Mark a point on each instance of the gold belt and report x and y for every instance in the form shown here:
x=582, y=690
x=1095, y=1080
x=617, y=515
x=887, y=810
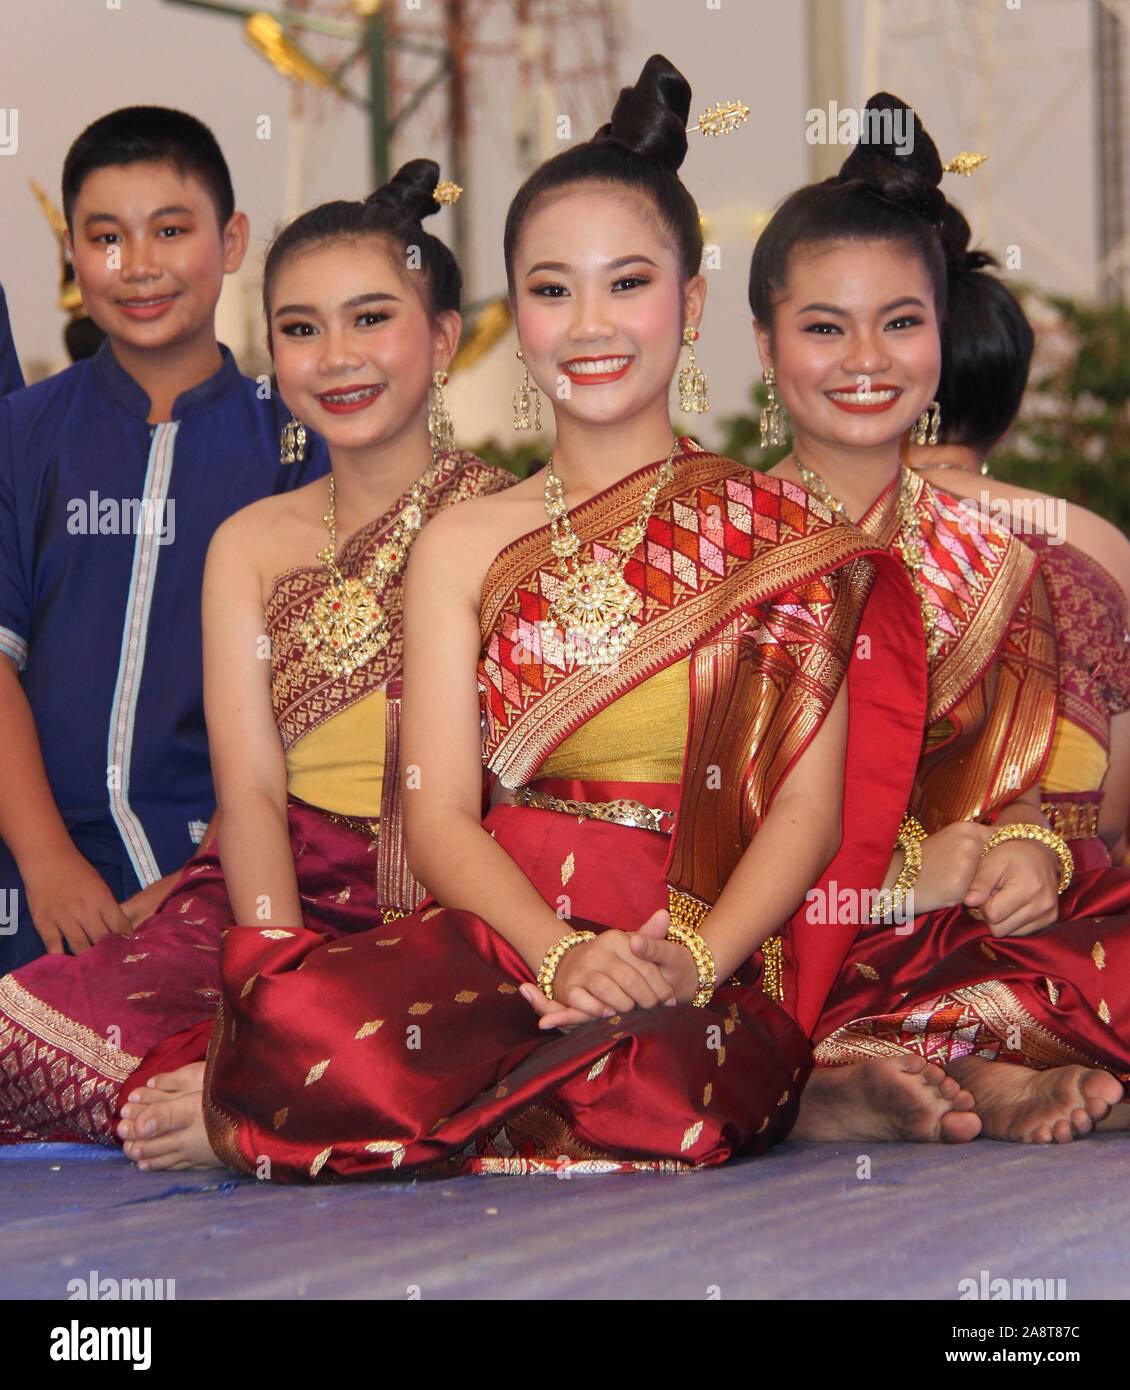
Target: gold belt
x=1074, y=820
x=622, y=812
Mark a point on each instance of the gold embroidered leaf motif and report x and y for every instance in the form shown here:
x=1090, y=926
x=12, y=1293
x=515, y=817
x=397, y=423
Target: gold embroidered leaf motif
x=249, y=986
x=784, y=1098
x=387, y=941
x=567, y=869
x=337, y=950
x=506, y=988
x=1104, y=1011
x=598, y=1067
x=721, y=1055
x=501, y=1092
x=201, y=947
x=690, y=1136
x=320, y=1161
x=368, y=1029
x=728, y=1026
x=279, y=1117
x=129, y=960
x=1053, y=989
x=276, y=934
x=987, y=950
x=867, y=971
x=343, y=896
x=466, y=996
x=143, y=994
x=186, y=904
x=763, y=1126
x=317, y=1071
x=707, y=1092
x=431, y=912
x=419, y=1008
x=387, y=1146
x=1098, y=955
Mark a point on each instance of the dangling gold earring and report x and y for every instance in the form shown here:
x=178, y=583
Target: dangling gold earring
x=293, y=442
x=772, y=415
x=692, y=383
x=441, y=427
x=525, y=396
x=928, y=425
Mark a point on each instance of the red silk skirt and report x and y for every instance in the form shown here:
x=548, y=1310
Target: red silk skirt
x=406, y=1048
x=948, y=988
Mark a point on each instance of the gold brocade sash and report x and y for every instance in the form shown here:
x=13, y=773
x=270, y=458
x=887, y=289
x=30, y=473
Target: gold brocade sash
x=736, y=571
x=993, y=684
x=723, y=541
x=303, y=693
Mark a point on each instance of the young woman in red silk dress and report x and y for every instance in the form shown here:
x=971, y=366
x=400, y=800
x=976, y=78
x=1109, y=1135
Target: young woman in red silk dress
x=1085, y=560
x=848, y=286
x=650, y=645
x=305, y=753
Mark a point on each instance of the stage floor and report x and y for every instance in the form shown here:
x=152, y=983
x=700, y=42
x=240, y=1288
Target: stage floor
x=798, y=1223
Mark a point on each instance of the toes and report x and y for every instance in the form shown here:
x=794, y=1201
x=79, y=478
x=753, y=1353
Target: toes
x=1042, y=1134
x=1101, y=1086
x=964, y=1100
x=950, y=1088
x=932, y=1075
x=1081, y=1122
x=1062, y=1132
x=960, y=1127
x=167, y=1146
x=912, y=1064
x=166, y=1118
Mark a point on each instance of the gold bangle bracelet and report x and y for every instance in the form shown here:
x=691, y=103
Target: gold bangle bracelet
x=909, y=839
x=554, y=956
x=1042, y=836
x=703, y=961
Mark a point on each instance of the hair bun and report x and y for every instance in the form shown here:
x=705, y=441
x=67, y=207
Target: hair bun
x=410, y=193
x=909, y=177
x=956, y=235
x=650, y=118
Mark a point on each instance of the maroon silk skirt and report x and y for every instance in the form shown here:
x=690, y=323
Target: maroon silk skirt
x=73, y=1029
x=406, y=1049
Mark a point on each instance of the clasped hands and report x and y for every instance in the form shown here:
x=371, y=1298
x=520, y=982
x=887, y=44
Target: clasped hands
x=1013, y=888
x=618, y=972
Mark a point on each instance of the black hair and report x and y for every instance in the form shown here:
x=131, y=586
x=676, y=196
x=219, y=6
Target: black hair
x=641, y=148
x=986, y=345
x=143, y=134
x=879, y=194
x=393, y=212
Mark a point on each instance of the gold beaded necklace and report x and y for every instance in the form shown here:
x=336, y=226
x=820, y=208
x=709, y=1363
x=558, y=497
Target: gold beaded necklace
x=347, y=625
x=594, y=602
x=911, y=546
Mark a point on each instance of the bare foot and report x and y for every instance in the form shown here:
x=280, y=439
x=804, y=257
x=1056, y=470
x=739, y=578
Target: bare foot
x=1038, y=1107
x=163, y=1122
x=184, y=1081
x=889, y=1098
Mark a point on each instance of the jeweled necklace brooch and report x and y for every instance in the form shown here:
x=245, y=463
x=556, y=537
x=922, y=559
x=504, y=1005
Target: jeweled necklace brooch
x=347, y=625
x=595, y=605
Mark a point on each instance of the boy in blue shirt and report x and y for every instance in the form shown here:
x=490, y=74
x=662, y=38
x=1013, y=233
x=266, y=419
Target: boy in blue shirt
x=113, y=477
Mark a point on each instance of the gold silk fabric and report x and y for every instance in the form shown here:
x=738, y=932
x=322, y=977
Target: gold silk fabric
x=640, y=737
x=339, y=765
